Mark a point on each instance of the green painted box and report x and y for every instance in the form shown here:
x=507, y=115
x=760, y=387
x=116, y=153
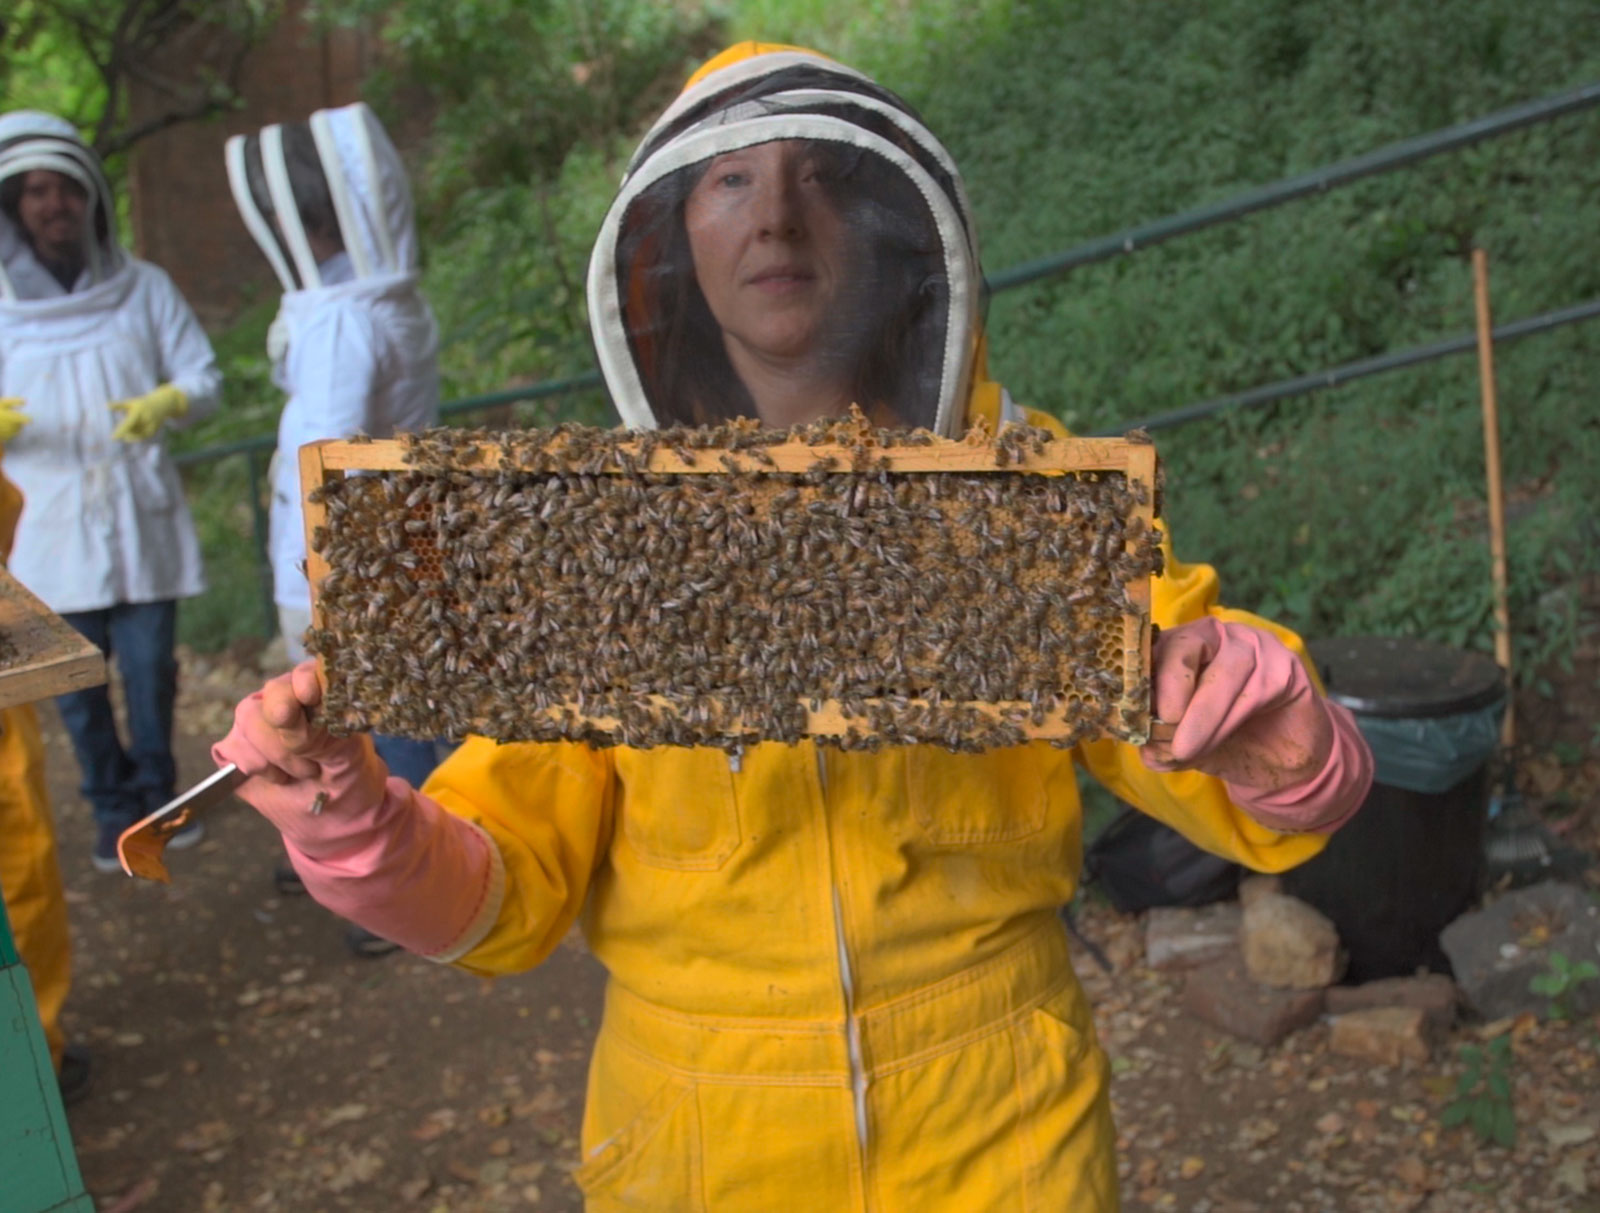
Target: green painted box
x=38, y=1169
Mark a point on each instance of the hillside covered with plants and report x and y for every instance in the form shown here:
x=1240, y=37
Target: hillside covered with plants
x=1350, y=510
x=1356, y=509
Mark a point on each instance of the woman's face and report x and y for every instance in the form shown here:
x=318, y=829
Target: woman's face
x=768, y=247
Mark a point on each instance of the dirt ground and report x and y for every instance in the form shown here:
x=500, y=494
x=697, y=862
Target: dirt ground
x=245, y=1060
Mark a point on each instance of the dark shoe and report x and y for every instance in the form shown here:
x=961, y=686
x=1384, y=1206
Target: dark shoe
x=367, y=945
x=287, y=881
x=104, y=856
x=76, y=1076
x=191, y=835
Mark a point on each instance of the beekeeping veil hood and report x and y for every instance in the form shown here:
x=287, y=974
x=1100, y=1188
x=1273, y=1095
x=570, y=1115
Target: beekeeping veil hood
x=338, y=172
x=32, y=140
x=785, y=202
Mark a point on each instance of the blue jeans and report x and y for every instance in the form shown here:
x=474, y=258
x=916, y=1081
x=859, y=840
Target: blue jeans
x=123, y=784
x=412, y=761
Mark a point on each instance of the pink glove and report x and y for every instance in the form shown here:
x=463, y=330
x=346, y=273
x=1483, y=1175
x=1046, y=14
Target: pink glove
x=1246, y=712
x=376, y=851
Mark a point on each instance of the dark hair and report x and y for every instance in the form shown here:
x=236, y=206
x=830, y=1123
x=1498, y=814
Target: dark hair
x=11, y=198
x=896, y=328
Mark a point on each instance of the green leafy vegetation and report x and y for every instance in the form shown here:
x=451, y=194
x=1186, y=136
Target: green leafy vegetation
x=1353, y=510
x=1561, y=981
x=1483, y=1094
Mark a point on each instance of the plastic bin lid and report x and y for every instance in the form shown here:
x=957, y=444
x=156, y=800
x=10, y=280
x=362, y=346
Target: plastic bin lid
x=1399, y=676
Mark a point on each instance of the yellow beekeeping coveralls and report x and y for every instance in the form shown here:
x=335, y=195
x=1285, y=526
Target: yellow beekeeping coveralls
x=838, y=979
x=30, y=877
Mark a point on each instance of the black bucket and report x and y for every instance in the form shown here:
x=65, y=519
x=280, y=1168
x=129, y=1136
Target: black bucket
x=1411, y=861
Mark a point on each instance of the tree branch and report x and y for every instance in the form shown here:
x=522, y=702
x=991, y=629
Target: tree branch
x=148, y=43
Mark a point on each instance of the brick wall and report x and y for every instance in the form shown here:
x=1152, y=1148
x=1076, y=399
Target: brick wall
x=183, y=214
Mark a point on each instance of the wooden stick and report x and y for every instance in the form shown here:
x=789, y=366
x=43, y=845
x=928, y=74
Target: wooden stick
x=313, y=473
x=1497, y=497
x=1062, y=455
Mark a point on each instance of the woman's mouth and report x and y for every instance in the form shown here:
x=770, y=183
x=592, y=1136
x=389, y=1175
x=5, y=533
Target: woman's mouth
x=782, y=278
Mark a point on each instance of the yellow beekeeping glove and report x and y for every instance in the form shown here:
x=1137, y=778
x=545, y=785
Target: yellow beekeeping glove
x=12, y=418
x=146, y=413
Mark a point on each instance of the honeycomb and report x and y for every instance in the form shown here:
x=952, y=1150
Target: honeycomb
x=727, y=585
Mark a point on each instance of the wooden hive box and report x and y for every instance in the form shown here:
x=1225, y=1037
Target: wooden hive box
x=722, y=586
x=41, y=655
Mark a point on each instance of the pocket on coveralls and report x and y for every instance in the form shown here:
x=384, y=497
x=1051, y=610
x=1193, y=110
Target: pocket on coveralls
x=1063, y=1092
x=653, y=1161
x=962, y=799
x=682, y=814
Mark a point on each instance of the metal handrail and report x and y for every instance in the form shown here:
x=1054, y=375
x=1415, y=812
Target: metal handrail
x=533, y=391
x=1385, y=159
x=1348, y=372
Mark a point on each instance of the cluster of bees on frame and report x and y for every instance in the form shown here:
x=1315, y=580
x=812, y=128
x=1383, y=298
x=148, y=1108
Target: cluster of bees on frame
x=564, y=591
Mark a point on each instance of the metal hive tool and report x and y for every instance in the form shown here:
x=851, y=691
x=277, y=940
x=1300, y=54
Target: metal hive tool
x=727, y=585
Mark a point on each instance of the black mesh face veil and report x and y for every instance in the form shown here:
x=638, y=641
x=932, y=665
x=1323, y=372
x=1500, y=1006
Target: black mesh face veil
x=798, y=233
x=311, y=209
x=881, y=317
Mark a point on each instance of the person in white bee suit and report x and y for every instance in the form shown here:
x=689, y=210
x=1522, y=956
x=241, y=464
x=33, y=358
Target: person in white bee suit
x=99, y=356
x=354, y=345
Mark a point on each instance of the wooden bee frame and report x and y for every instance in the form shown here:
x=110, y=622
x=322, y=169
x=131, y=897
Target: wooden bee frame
x=41, y=655
x=1135, y=461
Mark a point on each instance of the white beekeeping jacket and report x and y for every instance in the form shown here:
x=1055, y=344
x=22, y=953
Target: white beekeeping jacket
x=355, y=345
x=104, y=522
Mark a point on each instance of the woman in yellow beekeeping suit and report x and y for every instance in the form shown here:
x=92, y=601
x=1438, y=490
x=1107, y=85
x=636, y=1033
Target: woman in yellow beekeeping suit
x=838, y=978
x=30, y=877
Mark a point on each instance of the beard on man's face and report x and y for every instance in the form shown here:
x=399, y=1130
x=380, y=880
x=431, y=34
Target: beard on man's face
x=57, y=236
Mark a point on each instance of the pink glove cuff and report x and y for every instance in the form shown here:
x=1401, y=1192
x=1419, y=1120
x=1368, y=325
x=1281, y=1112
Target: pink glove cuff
x=409, y=871
x=1327, y=800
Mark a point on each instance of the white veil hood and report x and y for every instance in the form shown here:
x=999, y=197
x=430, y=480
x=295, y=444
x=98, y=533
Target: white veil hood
x=898, y=195
x=370, y=192
x=29, y=140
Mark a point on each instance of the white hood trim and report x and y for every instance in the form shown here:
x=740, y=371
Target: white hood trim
x=376, y=178
x=288, y=211
x=714, y=138
x=734, y=74
x=239, y=183
x=367, y=183
x=339, y=188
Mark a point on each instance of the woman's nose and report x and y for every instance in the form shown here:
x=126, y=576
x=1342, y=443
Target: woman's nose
x=779, y=213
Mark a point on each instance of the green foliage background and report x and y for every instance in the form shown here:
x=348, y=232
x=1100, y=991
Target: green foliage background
x=1350, y=510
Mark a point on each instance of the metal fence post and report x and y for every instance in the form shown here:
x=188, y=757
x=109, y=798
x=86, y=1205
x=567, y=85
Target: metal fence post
x=258, y=527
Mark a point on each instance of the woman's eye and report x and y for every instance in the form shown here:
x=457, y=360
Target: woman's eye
x=733, y=180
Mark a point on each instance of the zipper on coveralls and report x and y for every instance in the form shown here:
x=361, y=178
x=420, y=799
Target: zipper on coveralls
x=858, y=1071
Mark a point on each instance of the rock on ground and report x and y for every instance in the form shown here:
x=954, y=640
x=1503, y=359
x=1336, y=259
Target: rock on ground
x=1497, y=952
x=1289, y=945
